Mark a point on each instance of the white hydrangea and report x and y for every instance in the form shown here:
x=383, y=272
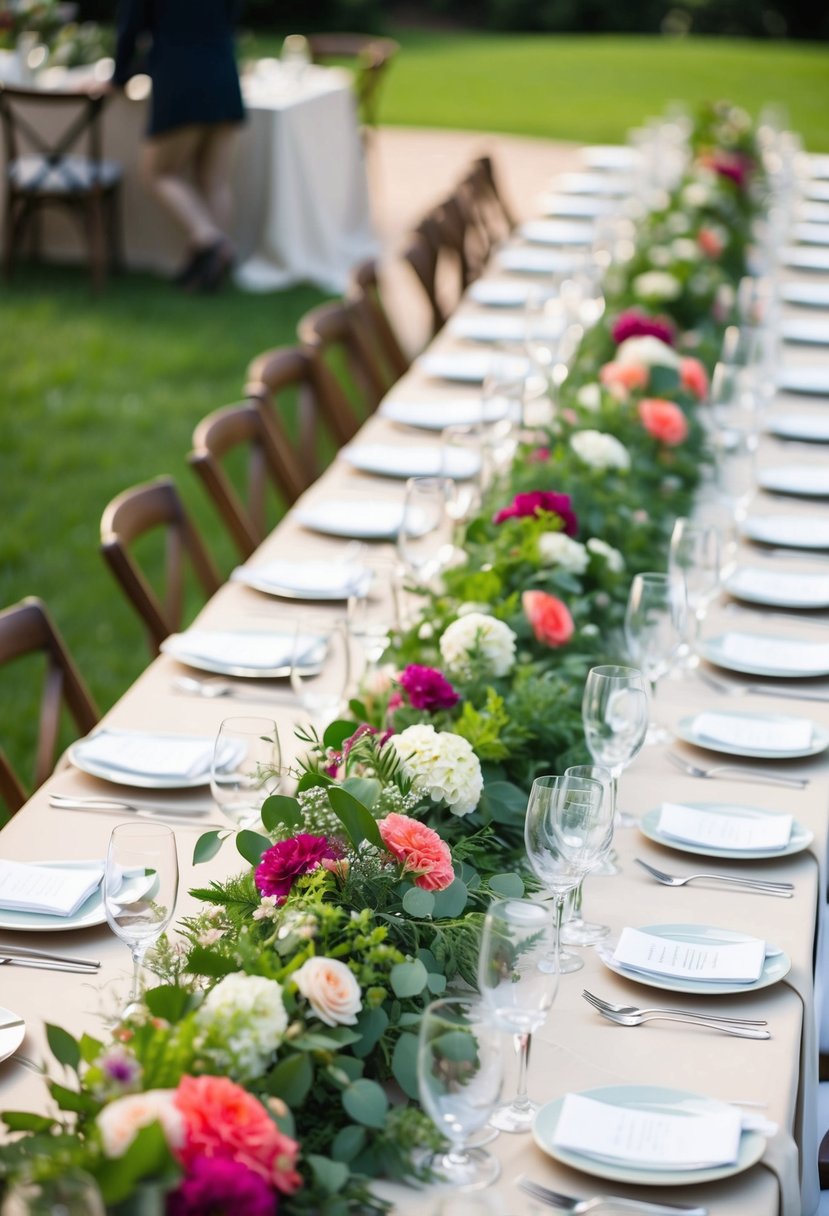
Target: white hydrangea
x=697, y=195
x=442, y=765
x=659, y=256
x=613, y=557
x=242, y=1021
x=685, y=250
x=678, y=223
x=589, y=396
x=657, y=285
x=599, y=450
x=559, y=549
x=648, y=350
x=489, y=639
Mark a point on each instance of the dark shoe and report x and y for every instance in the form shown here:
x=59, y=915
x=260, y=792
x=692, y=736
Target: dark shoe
x=193, y=267
x=216, y=268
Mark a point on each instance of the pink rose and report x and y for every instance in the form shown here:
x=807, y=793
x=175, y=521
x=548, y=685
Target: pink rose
x=693, y=377
x=330, y=989
x=420, y=850
x=549, y=618
x=710, y=243
x=623, y=378
x=121, y=1121
x=664, y=420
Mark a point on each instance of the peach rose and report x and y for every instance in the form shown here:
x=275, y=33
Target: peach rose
x=622, y=378
x=710, y=243
x=121, y=1121
x=420, y=850
x=331, y=990
x=549, y=618
x=221, y=1119
x=664, y=420
x=694, y=377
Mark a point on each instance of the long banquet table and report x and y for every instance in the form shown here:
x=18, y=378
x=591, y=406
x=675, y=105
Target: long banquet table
x=576, y=1050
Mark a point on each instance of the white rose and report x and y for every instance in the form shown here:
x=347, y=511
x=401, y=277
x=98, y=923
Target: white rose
x=648, y=350
x=331, y=990
x=685, y=250
x=589, y=396
x=613, y=557
x=696, y=195
x=678, y=223
x=242, y=1021
x=657, y=285
x=486, y=637
x=121, y=1121
x=558, y=549
x=442, y=765
x=599, y=450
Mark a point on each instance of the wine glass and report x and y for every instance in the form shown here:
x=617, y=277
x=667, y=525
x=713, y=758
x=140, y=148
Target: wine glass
x=564, y=832
x=73, y=1193
x=321, y=669
x=694, y=562
x=464, y=463
x=576, y=931
x=424, y=541
x=140, y=888
x=733, y=405
x=734, y=469
x=518, y=988
x=502, y=406
x=459, y=1075
x=654, y=629
x=246, y=768
x=614, y=712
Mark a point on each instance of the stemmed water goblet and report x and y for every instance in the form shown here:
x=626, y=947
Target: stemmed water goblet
x=424, y=540
x=321, y=669
x=140, y=889
x=565, y=833
x=654, y=629
x=694, y=563
x=576, y=931
x=518, y=988
x=246, y=768
x=614, y=713
x=459, y=1075
x=464, y=463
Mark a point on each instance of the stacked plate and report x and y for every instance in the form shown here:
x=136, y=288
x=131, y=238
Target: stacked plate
x=725, y=830
x=756, y=735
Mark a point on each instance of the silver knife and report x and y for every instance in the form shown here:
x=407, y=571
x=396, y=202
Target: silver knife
x=30, y=952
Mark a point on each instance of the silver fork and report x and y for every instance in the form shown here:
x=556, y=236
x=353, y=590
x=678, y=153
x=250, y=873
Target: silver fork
x=737, y=772
x=223, y=688
x=631, y=1016
x=784, y=889
x=600, y=1003
x=763, y=690
x=144, y=810
x=567, y=1203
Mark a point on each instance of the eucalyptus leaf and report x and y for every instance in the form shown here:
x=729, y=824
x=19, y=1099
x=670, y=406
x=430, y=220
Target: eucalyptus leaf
x=207, y=846
x=291, y=1079
x=419, y=904
x=366, y=789
x=328, y=1174
x=451, y=901
x=355, y=818
x=252, y=845
x=404, y=1064
x=281, y=811
x=348, y=1142
x=366, y=1103
x=372, y=1025
x=337, y=732
x=510, y=886
x=409, y=979
x=63, y=1046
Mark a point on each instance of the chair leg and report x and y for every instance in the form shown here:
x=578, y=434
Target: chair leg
x=10, y=223
x=96, y=234
x=115, y=230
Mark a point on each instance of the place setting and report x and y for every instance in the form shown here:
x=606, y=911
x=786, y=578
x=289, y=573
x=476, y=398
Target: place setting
x=787, y=531
x=327, y=581
x=725, y=830
x=771, y=587
x=764, y=736
x=766, y=655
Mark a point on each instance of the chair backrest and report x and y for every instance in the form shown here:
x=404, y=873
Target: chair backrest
x=373, y=56
x=297, y=378
x=57, y=154
x=365, y=289
x=132, y=515
x=270, y=462
x=421, y=253
x=337, y=334
x=26, y=628
x=497, y=213
x=438, y=254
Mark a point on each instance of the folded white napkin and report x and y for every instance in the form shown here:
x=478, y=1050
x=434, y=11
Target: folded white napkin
x=298, y=577
x=255, y=651
x=774, y=652
x=716, y=962
x=55, y=892
x=648, y=1139
x=736, y=832
x=146, y=754
x=756, y=581
x=780, y=735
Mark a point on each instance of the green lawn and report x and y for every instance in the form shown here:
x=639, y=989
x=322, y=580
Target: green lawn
x=98, y=395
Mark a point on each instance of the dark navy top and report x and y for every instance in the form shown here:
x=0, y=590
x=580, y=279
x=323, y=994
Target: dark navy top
x=191, y=59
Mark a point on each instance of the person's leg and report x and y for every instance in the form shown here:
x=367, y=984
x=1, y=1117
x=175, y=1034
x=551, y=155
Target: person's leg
x=167, y=159
x=213, y=165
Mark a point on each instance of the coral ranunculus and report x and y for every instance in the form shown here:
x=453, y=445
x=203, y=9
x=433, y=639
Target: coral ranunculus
x=420, y=850
x=664, y=420
x=222, y=1120
x=549, y=618
x=427, y=688
x=693, y=377
x=710, y=243
x=218, y=1187
x=623, y=378
x=633, y=323
x=541, y=500
x=288, y=860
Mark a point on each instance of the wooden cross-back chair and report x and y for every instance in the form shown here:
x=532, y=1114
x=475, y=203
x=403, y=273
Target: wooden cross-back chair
x=495, y=212
x=371, y=55
x=132, y=515
x=271, y=462
x=438, y=255
x=26, y=628
x=65, y=169
x=365, y=290
x=337, y=331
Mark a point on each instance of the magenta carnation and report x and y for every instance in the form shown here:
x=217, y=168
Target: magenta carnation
x=288, y=860
x=215, y=1186
x=541, y=500
x=427, y=688
x=632, y=323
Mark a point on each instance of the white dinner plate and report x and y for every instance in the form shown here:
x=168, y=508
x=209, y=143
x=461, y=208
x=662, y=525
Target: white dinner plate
x=608, y=184
x=780, y=589
x=502, y=327
x=808, y=331
x=556, y=232
x=576, y=206
x=807, y=257
x=788, y=531
x=809, y=295
x=437, y=415
x=501, y=293
x=816, y=190
x=812, y=381
x=810, y=428
x=776, y=964
x=472, y=367
x=800, y=659
x=686, y=729
x=262, y=655
x=77, y=754
x=91, y=912
x=818, y=163
x=298, y=580
x=615, y=158
x=412, y=460
x=359, y=519
x=799, y=840
x=803, y=480
x=10, y=1039
x=529, y=259
x=811, y=234
x=814, y=213
x=645, y=1098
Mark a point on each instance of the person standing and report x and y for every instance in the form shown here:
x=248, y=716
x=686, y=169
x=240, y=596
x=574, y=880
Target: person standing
x=196, y=109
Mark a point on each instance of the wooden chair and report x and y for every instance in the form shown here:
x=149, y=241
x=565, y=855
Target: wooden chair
x=26, y=628
x=371, y=56
x=298, y=379
x=44, y=171
x=270, y=462
x=132, y=515
x=496, y=212
x=336, y=332
x=365, y=290
x=438, y=255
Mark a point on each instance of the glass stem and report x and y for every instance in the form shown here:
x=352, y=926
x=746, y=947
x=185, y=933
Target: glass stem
x=138, y=953
x=559, y=918
x=521, y=1042
x=577, y=898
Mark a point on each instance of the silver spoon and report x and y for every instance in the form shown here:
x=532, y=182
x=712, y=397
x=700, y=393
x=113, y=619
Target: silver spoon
x=223, y=688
